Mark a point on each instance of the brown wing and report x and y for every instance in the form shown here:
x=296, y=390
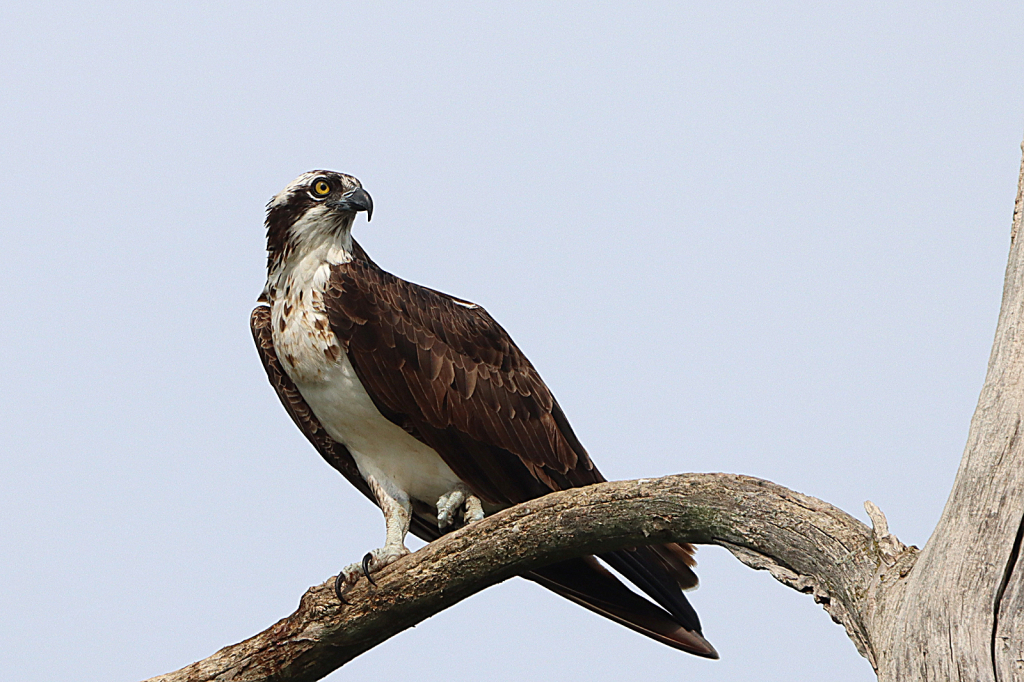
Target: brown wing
x=452, y=377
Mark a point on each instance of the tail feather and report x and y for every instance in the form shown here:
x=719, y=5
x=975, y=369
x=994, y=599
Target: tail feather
x=592, y=586
x=677, y=558
x=641, y=566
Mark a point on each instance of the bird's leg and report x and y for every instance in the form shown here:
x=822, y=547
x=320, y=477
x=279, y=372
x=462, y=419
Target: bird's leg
x=450, y=502
x=397, y=514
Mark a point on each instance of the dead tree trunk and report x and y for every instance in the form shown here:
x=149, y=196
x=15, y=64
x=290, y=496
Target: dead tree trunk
x=951, y=611
x=959, y=613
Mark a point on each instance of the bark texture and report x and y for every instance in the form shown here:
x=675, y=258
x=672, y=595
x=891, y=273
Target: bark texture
x=959, y=615
x=806, y=543
x=951, y=611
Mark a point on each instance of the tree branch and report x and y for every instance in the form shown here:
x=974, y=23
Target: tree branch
x=805, y=543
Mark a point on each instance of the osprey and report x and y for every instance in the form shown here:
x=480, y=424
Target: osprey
x=426, y=405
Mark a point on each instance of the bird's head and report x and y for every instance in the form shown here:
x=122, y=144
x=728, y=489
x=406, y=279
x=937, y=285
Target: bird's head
x=315, y=208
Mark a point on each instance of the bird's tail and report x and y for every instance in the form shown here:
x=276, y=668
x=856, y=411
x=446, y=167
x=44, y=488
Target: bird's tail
x=672, y=621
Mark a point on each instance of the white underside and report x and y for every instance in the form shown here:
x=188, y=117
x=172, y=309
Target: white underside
x=321, y=370
x=395, y=459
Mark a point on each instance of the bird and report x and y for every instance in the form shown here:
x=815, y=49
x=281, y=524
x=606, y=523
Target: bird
x=427, y=406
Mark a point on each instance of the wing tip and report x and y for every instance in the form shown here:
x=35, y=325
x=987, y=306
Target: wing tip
x=593, y=587
x=692, y=643
x=661, y=630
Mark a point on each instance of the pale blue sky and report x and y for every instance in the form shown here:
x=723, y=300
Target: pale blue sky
x=764, y=238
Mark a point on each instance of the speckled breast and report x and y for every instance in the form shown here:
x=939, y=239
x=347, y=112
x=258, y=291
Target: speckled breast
x=305, y=344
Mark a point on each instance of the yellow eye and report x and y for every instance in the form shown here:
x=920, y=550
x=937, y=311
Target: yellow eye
x=321, y=188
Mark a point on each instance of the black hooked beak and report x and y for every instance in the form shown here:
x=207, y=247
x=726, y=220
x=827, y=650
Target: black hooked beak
x=355, y=200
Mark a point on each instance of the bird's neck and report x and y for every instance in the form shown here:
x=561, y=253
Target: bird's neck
x=310, y=260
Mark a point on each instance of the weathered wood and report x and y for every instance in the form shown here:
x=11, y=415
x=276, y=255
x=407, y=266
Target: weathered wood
x=1008, y=642
x=959, y=615
x=805, y=543
x=951, y=611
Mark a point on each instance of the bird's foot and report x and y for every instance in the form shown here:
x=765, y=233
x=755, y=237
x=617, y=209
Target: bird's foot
x=447, y=505
x=474, y=509
x=371, y=563
x=450, y=503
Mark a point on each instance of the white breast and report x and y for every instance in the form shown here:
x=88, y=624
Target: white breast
x=380, y=448
x=311, y=355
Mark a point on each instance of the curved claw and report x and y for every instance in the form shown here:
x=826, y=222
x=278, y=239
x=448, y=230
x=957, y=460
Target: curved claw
x=366, y=568
x=338, y=582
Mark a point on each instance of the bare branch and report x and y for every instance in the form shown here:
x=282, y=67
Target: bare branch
x=807, y=544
